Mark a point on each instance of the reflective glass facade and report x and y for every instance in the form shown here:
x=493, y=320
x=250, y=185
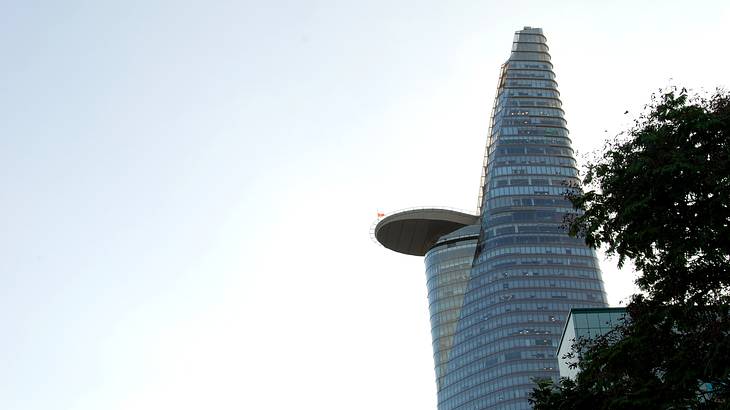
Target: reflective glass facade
x=448, y=270
x=501, y=283
x=585, y=323
x=527, y=273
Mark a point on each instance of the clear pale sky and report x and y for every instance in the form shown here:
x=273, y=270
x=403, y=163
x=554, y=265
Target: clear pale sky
x=186, y=188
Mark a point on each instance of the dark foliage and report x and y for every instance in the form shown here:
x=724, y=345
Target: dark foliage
x=660, y=197
x=666, y=357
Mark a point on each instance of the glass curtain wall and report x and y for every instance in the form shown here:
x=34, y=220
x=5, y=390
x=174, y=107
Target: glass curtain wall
x=448, y=269
x=527, y=273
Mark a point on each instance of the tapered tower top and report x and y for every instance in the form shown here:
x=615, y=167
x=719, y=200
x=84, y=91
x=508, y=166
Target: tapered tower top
x=533, y=30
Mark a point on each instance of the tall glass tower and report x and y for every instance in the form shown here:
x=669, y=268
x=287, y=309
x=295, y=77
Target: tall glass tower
x=502, y=282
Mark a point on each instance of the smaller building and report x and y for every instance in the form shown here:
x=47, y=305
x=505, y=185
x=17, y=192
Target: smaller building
x=585, y=322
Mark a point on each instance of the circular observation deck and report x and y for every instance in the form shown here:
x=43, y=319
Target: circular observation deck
x=414, y=232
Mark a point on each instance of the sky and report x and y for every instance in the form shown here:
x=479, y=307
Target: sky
x=187, y=188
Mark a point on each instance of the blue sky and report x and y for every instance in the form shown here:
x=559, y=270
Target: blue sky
x=187, y=187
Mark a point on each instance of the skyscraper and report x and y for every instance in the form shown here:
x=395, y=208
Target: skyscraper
x=501, y=282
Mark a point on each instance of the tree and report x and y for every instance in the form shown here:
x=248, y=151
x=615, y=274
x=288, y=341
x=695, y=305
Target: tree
x=659, y=195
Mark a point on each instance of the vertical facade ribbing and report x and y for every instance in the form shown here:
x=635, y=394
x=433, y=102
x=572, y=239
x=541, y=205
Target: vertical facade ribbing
x=527, y=273
x=448, y=271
